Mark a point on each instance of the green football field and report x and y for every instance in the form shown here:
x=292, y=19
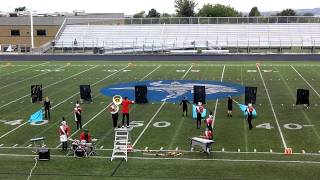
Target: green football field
x=238, y=153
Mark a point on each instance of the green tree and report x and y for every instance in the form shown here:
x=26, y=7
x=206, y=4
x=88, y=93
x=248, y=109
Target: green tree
x=218, y=10
x=254, y=12
x=20, y=9
x=153, y=13
x=139, y=15
x=165, y=15
x=185, y=8
x=287, y=12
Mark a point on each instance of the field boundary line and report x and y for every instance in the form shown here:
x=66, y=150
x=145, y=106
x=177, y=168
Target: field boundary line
x=305, y=80
x=183, y=159
x=24, y=68
x=159, y=109
x=52, y=84
x=216, y=105
x=272, y=108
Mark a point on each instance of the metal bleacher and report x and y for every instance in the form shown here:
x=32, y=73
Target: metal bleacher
x=153, y=37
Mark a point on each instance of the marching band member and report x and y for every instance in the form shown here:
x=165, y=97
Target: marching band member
x=210, y=121
x=114, y=109
x=249, y=111
x=86, y=135
x=77, y=115
x=125, y=109
x=230, y=106
x=64, y=132
x=207, y=134
x=184, y=102
x=47, y=107
x=199, y=110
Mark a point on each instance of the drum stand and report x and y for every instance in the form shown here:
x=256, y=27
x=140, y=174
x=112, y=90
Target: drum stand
x=35, y=145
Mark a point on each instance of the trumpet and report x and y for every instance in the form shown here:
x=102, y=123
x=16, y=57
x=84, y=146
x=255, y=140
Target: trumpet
x=117, y=100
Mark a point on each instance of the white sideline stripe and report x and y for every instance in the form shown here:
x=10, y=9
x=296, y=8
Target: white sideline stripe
x=52, y=108
x=25, y=68
x=305, y=81
x=35, y=165
x=216, y=105
x=150, y=73
x=48, y=86
x=88, y=122
x=274, y=114
x=17, y=82
x=185, y=159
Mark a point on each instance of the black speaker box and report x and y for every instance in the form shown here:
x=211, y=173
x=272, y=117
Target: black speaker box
x=303, y=96
x=36, y=93
x=85, y=92
x=44, y=154
x=141, y=94
x=250, y=95
x=199, y=94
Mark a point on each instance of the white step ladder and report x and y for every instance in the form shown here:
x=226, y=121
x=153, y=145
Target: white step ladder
x=121, y=142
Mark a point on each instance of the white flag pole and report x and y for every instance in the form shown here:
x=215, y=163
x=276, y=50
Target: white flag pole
x=31, y=25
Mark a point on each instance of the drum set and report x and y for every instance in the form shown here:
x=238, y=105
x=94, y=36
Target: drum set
x=83, y=148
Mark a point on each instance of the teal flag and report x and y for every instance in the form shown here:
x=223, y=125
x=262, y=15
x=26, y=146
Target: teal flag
x=243, y=109
x=36, y=117
x=194, y=112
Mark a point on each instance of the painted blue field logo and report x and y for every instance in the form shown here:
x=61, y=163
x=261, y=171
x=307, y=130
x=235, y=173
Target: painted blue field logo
x=175, y=90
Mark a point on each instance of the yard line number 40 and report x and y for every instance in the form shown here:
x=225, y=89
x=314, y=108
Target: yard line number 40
x=290, y=126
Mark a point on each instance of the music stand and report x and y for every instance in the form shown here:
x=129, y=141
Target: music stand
x=35, y=141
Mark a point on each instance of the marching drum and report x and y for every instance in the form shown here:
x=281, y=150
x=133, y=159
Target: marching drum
x=79, y=152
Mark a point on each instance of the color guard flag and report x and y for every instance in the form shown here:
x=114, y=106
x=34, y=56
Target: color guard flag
x=243, y=108
x=36, y=117
x=194, y=112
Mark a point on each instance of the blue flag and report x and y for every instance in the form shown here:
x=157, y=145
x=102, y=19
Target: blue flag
x=36, y=117
x=194, y=112
x=243, y=108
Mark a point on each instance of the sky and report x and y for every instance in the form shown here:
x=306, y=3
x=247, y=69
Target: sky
x=130, y=7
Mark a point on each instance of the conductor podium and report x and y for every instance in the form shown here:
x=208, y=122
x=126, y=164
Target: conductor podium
x=205, y=144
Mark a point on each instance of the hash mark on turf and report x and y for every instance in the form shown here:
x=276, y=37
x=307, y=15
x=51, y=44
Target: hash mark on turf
x=101, y=147
x=1, y=145
x=15, y=145
x=29, y=145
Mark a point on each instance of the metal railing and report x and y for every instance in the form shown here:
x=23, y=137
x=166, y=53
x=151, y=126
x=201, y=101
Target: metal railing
x=196, y=20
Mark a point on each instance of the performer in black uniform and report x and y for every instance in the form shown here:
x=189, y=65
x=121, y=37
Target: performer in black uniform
x=184, y=102
x=47, y=107
x=230, y=106
x=249, y=111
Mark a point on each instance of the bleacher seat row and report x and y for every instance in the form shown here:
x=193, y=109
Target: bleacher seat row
x=179, y=36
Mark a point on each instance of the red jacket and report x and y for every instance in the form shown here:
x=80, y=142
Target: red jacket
x=66, y=130
x=125, y=106
x=83, y=137
x=209, y=121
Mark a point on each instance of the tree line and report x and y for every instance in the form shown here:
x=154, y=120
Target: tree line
x=186, y=8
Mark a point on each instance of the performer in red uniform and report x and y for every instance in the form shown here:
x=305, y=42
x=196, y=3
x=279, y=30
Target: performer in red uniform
x=207, y=134
x=64, y=132
x=199, y=110
x=85, y=135
x=125, y=109
x=210, y=121
x=77, y=115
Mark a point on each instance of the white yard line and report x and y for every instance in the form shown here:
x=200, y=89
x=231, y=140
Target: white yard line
x=145, y=128
x=17, y=82
x=274, y=114
x=305, y=81
x=150, y=73
x=48, y=86
x=216, y=105
x=24, y=69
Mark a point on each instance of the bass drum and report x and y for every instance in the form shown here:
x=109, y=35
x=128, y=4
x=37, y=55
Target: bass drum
x=79, y=152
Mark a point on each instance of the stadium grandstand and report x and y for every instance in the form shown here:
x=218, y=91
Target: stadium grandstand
x=193, y=35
